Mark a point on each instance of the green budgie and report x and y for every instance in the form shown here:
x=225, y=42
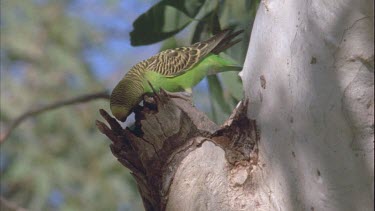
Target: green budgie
x=173, y=70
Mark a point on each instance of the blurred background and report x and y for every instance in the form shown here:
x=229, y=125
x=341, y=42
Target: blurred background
x=53, y=50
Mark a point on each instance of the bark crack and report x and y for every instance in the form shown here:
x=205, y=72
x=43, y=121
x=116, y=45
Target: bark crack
x=169, y=129
x=334, y=55
x=161, y=127
x=153, y=146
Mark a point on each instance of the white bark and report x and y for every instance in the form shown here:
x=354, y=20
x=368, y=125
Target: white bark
x=314, y=104
x=309, y=77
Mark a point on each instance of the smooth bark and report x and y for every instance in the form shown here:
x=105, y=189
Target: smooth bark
x=309, y=76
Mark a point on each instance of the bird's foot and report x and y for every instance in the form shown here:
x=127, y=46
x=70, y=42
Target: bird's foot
x=182, y=95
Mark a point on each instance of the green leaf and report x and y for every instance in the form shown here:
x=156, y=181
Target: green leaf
x=169, y=44
x=163, y=20
x=217, y=93
x=201, y=27
x=189, y=7
x=216, y=28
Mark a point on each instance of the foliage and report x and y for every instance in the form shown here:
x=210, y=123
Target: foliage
x=59, y=160
x=167, y=18
x=163, y=20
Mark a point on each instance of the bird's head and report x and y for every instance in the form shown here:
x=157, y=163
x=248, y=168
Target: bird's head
x=125, y=96
x=120, y=112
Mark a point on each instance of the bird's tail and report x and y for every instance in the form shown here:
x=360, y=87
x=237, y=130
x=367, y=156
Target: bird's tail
x=224, y=69
x=222, y=63
x=227, y=41
x=234, y=67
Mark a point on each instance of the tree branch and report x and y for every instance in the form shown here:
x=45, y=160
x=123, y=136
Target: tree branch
x=58, y=104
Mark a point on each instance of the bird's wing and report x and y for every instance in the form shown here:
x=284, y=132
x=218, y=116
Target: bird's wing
x=174, y=62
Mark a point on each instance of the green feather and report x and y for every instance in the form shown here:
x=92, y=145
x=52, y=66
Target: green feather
x=210, y=65
x=173, y=70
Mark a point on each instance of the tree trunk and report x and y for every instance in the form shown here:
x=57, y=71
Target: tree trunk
x=308, y=80
x=309, y=76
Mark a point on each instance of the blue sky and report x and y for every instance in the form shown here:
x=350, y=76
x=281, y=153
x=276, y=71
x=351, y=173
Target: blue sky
x=112, y=59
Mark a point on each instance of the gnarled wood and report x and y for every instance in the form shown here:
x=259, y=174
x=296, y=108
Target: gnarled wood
x=166, y=131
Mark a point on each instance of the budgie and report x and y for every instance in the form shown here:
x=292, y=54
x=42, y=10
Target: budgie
x=173, y=70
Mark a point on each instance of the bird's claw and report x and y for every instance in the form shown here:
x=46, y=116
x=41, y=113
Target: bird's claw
x=182, y=95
